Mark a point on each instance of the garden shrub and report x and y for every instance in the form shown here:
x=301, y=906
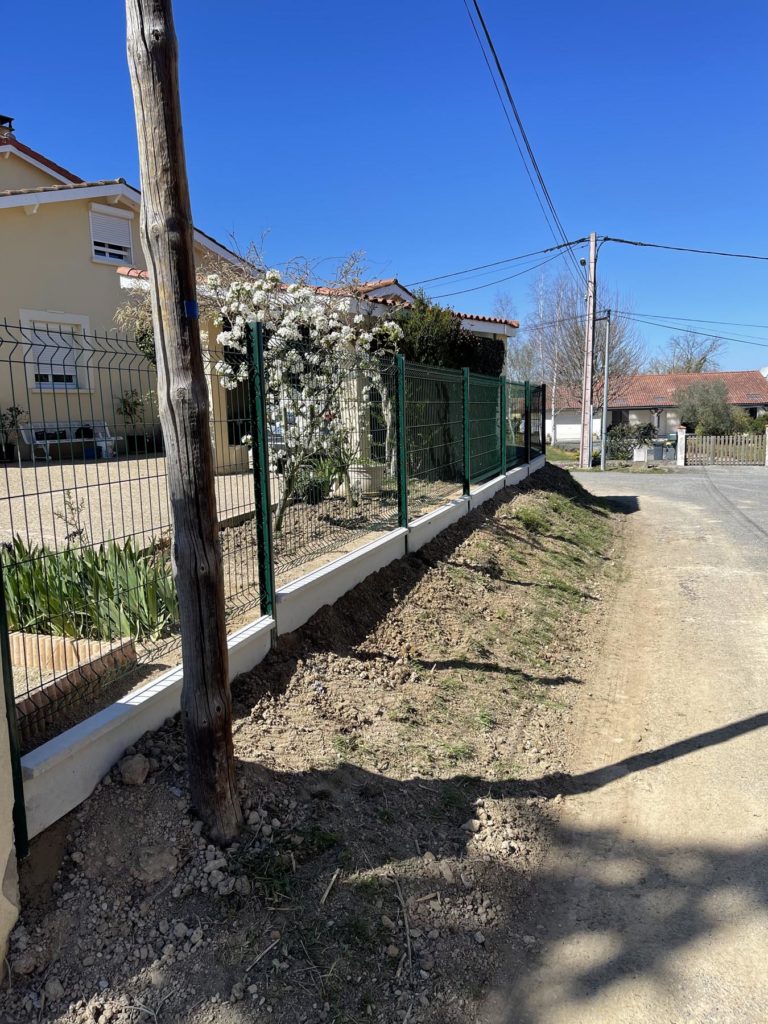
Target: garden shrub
x=98, y=593
x=625, y=437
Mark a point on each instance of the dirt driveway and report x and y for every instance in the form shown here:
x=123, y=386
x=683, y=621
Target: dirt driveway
x=653, y=898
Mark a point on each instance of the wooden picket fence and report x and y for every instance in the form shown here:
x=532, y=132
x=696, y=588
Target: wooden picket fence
x=727, y=450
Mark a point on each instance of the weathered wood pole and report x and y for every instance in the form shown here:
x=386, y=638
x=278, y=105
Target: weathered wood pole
x=166, y=234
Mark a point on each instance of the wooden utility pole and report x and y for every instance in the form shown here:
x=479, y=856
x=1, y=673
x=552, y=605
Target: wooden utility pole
x=585, y=444
x=604, y=425
x=167, y=234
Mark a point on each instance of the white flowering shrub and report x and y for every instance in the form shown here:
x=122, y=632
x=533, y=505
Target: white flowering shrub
x=314, y=346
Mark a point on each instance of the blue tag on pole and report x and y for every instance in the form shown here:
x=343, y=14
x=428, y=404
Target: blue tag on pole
x=191, y=310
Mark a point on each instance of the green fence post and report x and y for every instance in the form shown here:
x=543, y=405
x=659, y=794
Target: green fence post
x=544, y=420
x=402, y=455
x=503, y=411
x=465, y=418
x=260, y=449
x=20, y=834
x=528, y=421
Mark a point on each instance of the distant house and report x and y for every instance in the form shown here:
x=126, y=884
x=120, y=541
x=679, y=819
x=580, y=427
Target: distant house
x=652, y=398
x=389, y=292
x=61, y=239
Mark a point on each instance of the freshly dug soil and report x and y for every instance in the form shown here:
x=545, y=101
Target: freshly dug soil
x=397, y=760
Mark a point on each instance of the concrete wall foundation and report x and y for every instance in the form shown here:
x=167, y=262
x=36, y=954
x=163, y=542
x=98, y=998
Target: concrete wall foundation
x=62, y=773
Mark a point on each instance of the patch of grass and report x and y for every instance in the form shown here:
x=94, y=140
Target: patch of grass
x=350, y=746
x=486, y=720
x=344, y=744
x=404, y=711
x=456, y=752
x=270, y=873
x=557, y=454
x=452, y=684
x=532, y=518
x=369, y=885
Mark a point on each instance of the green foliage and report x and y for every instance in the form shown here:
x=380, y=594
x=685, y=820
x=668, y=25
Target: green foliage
x=704, y=406
x=89, y=593
x=433, y=335
x=743, y=424
x=10, y=420
x=533, y=518
x=144, y=337
x=625, y=437
x=130, y=407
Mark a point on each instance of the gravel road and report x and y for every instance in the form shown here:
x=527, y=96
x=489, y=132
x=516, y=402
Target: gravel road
x=652, y=903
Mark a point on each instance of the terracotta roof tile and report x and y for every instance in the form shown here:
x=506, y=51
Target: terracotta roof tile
x=659, y=390
x=394, y=301
x=10, y=140
x=399, y=302
x=488, y=319
x=62, y=188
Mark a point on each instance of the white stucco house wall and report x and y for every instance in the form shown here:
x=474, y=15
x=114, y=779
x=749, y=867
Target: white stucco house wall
x=652, y=398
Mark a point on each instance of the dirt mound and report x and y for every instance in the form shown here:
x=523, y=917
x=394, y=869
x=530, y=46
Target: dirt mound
x=396, y=758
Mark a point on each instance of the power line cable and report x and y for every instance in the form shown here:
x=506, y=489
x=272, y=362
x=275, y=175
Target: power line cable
x=683, y=248
x=690, y=330
x=695, y=320
x=529, y=149
x=490, y=284
x=496, y=263
x=553, y=323
x=509, y=122
x=702, y=334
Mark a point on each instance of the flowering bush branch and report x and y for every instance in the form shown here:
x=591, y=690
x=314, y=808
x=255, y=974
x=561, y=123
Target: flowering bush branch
x=316, y=347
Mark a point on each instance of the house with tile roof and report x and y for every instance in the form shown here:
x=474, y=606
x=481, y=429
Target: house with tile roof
x=652, y=398
x=70, y=248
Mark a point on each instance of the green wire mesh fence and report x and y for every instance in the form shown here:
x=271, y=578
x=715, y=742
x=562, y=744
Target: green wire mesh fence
x=434, y=437
x=85, y=521
x=484, y=426
x=332, y=462
x=538, y=437
x=302, y=477
x=515, y=433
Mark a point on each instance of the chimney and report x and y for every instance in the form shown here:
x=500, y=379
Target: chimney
x=6, y=127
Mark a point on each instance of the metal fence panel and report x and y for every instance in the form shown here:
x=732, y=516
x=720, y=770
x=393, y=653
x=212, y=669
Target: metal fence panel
x=484, y=426
x=515, y=424
x=537, y=420
x=333, y=466
x=434, y=437
x=85, y=522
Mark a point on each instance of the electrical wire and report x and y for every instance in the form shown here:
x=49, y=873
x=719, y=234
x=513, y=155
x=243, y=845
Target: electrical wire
x=554, y=323
x=695, y=320
x=702, y=334
x=496, y=263
x=490, y=284
x=682, y=248
x=559, y=230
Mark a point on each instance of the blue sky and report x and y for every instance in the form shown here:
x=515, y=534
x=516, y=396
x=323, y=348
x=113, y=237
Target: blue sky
x=344, y=126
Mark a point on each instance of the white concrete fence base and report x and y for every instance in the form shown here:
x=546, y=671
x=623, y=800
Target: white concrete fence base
x=60, y=774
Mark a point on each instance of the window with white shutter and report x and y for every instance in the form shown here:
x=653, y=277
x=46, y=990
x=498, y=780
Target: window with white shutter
x=57, y=351
x=111, y=235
